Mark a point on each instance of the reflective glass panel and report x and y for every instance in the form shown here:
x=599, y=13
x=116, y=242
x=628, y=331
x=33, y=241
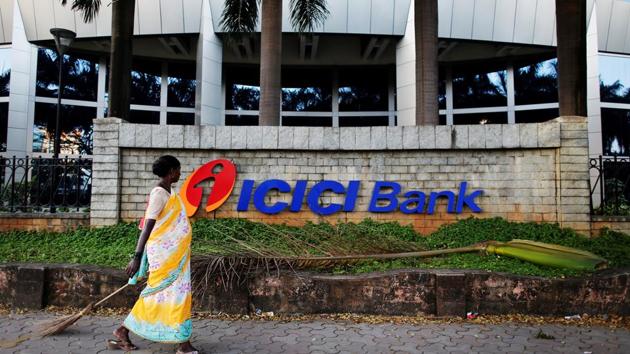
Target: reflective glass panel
x=5, y=71
x=306, y=90
x=480, y=89
x=76, y=128
x=233, y=119
x=536, y=115
x=306, y=99
x=616, y=131
x=363, y=89
x=146, y=79
x=363, y=121
x=4, y=120
x=177, y=118
x=614, y=79
x=80, y=77
x=480, y=118
x=536, y=82
x=144, y=117
x=442, y=92
x=243, y=90
x=181, y=85
x=307, y=121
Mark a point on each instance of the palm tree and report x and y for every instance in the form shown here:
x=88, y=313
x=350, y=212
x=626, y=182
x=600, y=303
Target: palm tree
x=427, y=69
x=120, y=53
x=241, y=16
x=571, y=38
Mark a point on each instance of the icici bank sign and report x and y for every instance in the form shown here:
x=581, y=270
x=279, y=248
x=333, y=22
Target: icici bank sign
x=387, y=196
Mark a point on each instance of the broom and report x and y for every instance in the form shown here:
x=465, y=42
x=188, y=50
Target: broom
x=61, y=324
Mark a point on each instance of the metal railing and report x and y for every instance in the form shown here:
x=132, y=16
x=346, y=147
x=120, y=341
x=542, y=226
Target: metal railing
x=39, y=184
x=610, y=185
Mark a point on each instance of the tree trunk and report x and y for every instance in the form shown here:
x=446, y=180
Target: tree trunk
x=120, y=58
x=426, y=37
x=571, y=37
x=270, y=62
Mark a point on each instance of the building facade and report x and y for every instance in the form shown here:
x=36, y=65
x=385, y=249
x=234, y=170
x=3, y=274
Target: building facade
x=497, y=65
x=348, y=102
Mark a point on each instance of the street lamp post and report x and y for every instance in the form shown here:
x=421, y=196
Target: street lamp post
x=63, y=40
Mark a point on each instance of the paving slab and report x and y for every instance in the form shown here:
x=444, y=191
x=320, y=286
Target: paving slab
x=219, y=336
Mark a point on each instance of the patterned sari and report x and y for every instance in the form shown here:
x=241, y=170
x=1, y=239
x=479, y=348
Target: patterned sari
x=162, y=313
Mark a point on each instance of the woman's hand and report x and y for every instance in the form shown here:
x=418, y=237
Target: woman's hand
x=132, y=267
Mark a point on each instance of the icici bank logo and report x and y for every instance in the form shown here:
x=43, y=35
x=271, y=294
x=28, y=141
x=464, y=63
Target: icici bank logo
x=224, y=181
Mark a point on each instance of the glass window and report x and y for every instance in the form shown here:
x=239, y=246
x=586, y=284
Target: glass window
x=4, y=120
x=306, y=90
x=363, y=121
x=442, y=119
x=80, y=75
x=480, y=118
x=146, y=79
x=177, y=118
x=243, y=89
x=307, y=121
x=5, y=71
x=363, y=89
x=181, y=85
x=616, y=131
x=536, y=115
x=233, y=119
x=144, y=117
x=536, y=82
x=614, y=79
x=442, y=91
x=472, y=89
x=76, y=128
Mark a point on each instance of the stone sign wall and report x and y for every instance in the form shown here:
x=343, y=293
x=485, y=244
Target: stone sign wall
x=528, y=172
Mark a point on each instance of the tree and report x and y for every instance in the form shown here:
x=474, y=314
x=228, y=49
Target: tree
x=427, y=69
x=121, y=50
x=571, y=38
x=241, y=16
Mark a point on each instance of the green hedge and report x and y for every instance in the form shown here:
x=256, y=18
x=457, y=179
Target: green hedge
x=112, y=246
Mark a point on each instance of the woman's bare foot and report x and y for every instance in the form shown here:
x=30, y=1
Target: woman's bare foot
x=122, y=339
x=186, y=347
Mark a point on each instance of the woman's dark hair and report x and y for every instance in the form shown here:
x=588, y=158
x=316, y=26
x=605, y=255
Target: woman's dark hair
x=164, y=165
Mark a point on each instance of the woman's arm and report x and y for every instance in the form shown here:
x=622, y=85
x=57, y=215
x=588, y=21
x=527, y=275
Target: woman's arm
x=134, y=265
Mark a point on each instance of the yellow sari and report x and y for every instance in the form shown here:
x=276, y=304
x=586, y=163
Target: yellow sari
x=162, y=313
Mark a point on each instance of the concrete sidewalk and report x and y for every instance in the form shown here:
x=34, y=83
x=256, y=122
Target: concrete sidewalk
x=216, y=336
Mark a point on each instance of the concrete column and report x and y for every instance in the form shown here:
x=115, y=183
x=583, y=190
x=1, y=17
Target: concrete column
x=106, y=167
x=210, y=106
x=406, y=74
x=593, y=108
x=22, y=87
x=573, y=173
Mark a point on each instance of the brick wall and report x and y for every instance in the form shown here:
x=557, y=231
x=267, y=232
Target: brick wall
x=529, y=172
x=34, y=222
x=616, y=223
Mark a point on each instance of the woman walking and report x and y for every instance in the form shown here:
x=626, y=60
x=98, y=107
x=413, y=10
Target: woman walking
x=162, y=313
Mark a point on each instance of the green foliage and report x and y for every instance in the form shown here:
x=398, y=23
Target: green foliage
x=110, y=246
x=113, y=246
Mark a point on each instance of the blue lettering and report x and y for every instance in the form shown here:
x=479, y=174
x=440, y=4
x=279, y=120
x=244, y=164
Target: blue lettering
x=433, y=201
x=378, y=195
x=351, y=195
x=246, y=194
x=469, y=200
x=298, y=196
x=261, y=193
x=414, y=197
x=316, y=192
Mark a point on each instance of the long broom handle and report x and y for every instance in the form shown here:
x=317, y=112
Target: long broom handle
x=111, y=295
